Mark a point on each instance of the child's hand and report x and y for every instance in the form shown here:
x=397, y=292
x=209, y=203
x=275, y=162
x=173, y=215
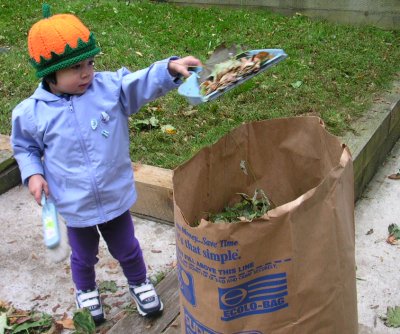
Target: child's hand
x=36, y=185
x=180, y=66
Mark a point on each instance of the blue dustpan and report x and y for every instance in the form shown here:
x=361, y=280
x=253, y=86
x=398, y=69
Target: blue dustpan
x=190, y=89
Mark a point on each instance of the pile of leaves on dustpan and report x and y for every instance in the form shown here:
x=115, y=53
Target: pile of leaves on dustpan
x=247, y=209
x=230, y=71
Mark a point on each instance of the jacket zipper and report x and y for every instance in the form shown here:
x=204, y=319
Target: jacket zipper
x=88, y=163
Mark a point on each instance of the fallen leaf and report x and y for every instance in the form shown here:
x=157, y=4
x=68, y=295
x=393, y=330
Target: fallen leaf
x=117, y=304
x=370, y=231
x=40, y=298
x=40, y=321
x=4, y=304
x=391, y=240
x=84, y=322
x=190, y=111
x=169, y=129
x=3, y=322
x=120, y=294
x=156, y=251
x=108, y=286
x=139, y=53
x=55, y=308
x=392, y=318
x=67, y=323
x=394, y=234
x=112, y=264
x=158, y=108
x=296, y=84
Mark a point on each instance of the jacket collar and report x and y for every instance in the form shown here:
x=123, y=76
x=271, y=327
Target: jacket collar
x=42, y=94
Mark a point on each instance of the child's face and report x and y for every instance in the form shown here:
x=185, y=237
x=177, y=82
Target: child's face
x=75, y=79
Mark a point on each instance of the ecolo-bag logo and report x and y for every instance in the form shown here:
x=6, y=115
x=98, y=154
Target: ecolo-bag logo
x=264, y=294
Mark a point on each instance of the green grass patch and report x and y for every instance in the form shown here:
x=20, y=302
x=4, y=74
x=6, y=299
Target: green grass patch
x=333, y=71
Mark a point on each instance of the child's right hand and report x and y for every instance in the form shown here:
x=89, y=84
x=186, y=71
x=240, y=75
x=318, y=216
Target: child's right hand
x=37, y=184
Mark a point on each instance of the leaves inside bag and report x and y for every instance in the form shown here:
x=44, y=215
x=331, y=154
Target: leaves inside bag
x=248, y=209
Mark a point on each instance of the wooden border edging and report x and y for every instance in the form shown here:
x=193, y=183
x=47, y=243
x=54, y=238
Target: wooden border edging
x=155, y=195
x=374, y=136
x=169, y=294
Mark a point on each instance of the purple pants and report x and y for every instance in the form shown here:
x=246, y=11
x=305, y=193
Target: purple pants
x=120, y=238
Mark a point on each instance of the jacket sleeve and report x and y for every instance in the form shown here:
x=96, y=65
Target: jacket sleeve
x=26, y=145
x=143, y=86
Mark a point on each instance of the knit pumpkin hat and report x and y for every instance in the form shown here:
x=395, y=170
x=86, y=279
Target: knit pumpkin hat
x=59, y=41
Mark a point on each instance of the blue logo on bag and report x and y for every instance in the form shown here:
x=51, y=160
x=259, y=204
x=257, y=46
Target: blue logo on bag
x=186, y=284
x=265, y=294
x=193, y=326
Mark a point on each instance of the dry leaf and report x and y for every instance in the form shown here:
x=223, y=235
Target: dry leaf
x=55, y=308
x=158, y=108
x=40, y=298
x=112, y=264
x=67, y=323
x=394, y=234
x=391, y=240
x=169, y=129
x=117, y=304
x=370, y=231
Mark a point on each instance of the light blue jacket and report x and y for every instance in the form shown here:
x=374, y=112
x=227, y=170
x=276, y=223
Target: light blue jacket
x=81, y=143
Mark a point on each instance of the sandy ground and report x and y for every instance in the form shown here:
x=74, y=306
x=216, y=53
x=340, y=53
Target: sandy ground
x=378, y=278
x=30, y=280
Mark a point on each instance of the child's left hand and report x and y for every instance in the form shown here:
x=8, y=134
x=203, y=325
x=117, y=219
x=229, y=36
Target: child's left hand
x=180, y=66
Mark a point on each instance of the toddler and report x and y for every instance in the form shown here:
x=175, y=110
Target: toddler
x=71, y=141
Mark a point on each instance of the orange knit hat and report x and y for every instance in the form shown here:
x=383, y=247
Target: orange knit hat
x=58, y=42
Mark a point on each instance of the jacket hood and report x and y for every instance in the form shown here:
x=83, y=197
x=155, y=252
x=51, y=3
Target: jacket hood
x=42, y=94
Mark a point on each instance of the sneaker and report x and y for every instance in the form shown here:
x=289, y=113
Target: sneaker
x=90, y=299
x=146, y=298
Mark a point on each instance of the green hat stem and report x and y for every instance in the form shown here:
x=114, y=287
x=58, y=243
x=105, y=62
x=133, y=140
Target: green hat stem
x=46, y=10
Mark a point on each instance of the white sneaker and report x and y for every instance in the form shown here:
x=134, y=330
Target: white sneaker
x=90, y=299
x=145, y=296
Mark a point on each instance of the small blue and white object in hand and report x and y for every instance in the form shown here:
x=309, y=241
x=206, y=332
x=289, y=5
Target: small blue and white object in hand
x=51, y=230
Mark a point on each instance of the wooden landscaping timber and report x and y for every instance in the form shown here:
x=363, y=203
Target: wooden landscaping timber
x=9, y=172
x=134, y=323
x=175, y=327
x=154, y=188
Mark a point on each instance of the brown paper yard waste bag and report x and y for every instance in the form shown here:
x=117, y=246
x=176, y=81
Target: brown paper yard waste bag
x=293, y=269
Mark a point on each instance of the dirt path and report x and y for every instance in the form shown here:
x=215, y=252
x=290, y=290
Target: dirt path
x=29, y=280
x=378, y=278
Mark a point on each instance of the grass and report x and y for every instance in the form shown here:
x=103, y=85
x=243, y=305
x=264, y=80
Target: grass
x=333, y=71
